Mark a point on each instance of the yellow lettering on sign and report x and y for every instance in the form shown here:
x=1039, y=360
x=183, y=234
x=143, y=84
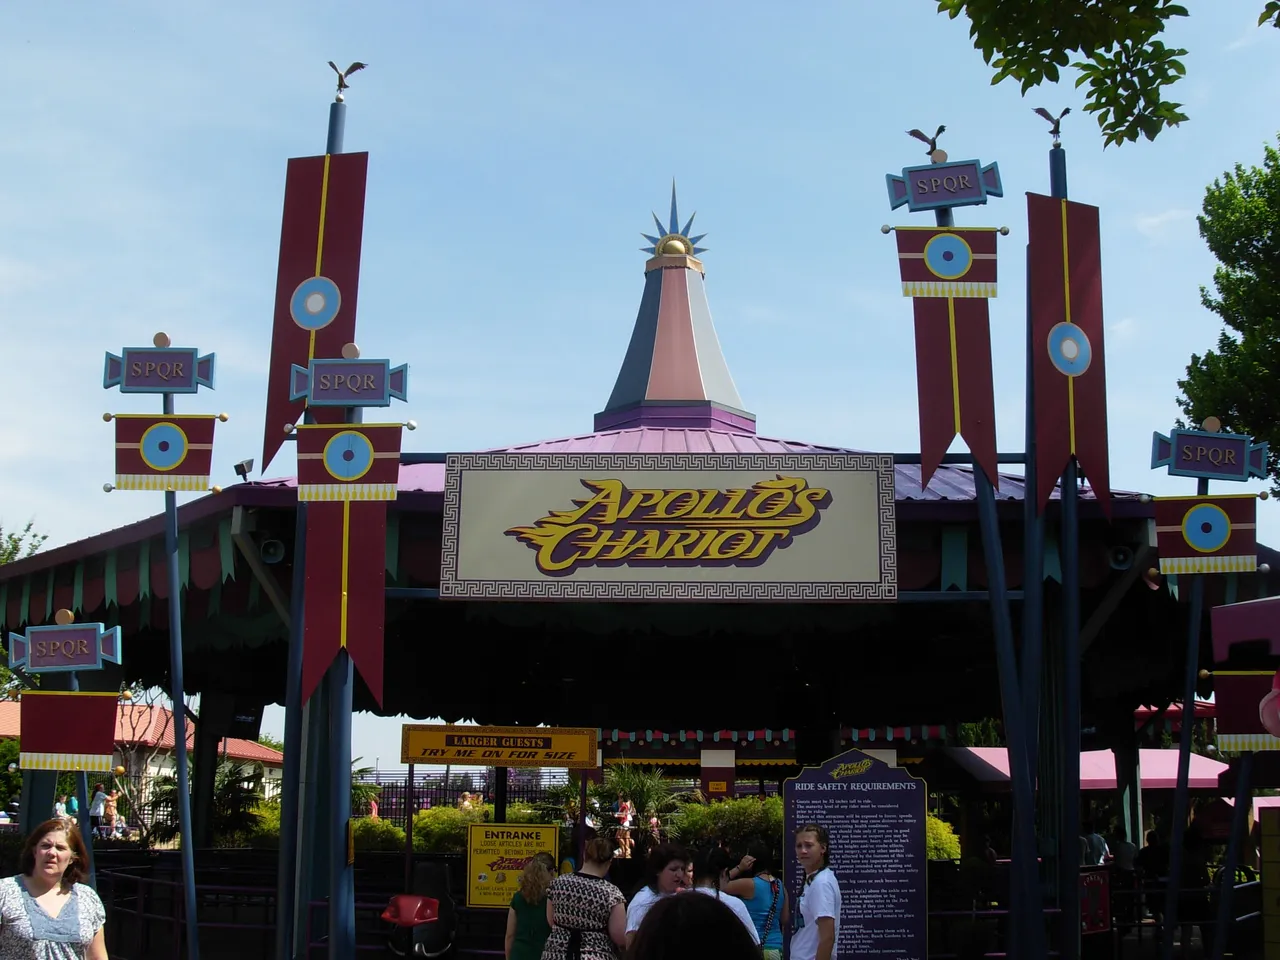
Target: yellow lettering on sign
x=662, y=527
x=717, y=786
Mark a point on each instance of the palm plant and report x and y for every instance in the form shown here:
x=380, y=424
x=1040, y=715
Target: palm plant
x=237, y=791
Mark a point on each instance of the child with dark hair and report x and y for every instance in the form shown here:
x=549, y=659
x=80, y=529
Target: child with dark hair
x=765, y=899
x=692, y=928
x=710, y=874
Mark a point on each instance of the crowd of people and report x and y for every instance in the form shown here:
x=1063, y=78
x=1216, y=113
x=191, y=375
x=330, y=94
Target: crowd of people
x=688, y=906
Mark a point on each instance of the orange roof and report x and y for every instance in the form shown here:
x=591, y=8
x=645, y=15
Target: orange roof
x=151, y=725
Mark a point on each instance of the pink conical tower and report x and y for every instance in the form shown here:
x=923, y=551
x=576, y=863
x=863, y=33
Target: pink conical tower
x=674, y=373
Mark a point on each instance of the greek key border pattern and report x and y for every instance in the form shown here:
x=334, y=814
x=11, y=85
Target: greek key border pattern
x=885, y=589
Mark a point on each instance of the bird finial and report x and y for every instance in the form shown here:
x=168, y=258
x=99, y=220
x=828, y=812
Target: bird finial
x=343, y=74
x=1055, y=122
x=935, y=155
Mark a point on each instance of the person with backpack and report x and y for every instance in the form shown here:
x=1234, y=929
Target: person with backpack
x=761, y=891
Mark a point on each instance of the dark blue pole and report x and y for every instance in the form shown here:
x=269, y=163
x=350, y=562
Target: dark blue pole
x=82, y=792
x=1191, y=667
x=337, y=126
x=1026, y=926
x=342, y=904
x=292, y=774
x=180, y=714
x=1239, y=825
x=1069, y=813
x=1033, y=562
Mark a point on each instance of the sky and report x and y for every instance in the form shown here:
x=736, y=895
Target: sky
x=516, y=152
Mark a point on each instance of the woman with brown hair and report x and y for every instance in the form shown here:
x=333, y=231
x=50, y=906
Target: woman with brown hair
x=45, y=912
x=587, y=913
x=527, y=927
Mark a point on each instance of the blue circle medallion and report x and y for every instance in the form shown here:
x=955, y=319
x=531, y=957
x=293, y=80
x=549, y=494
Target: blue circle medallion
x=348, y=455
x=1069, y=349
x=1206, y=528
x=163, y=446
x=947, y=256
x=315, y=303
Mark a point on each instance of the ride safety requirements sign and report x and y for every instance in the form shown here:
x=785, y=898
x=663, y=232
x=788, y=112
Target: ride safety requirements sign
x=573, y=748
x=497, y=854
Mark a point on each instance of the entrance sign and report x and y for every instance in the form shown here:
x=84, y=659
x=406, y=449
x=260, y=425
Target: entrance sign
x=875, y=815
x=789, y=527
x=573, y=748
x=497, y=853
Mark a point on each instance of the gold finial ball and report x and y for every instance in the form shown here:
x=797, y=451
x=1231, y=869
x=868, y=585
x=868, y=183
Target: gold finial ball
x=1211, y=425
x=1153, y=572
x=63, y=617
x=126, y=695
x=108, y=417
x=1144, y=498
x=107, y=488
x=1264, y=495
x=1264, y=568
x=885, y=228
x=1004, y=231
x=223, y=417
x=938, y=156
x=1204, y=674
x=119, y=771
x=215, y=489
x=288, y=428
x=674, y=247
x=350, y=351
x=161, y=340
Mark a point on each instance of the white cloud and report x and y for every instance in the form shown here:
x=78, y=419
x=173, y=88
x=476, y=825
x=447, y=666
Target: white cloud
x=1158, y=226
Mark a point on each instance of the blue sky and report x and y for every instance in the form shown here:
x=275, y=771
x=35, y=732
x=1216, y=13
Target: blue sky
x=516, y=151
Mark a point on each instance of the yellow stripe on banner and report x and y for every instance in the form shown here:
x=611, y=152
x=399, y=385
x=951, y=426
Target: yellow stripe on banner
x=1066, y=311
x=68, y=693
x=1211, y=564
x=324, y=203
x=346, y=555
x=955, y=363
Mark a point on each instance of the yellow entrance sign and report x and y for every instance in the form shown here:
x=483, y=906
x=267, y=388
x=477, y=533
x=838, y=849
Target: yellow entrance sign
x=574, y=748
x=497, y=854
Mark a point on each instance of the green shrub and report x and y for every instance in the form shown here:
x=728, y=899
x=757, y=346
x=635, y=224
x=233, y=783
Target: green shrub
x=444, y=829
x=741, y=823
x=266, y=832
x=940, y=841
x=377, y=835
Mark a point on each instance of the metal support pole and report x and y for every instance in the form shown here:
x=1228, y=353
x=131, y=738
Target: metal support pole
x=82, y=792
x=582, y=818
x=1069, y=827
x=1033, y=563
x=179, y=714
x=1026, y=932
x=408, y=831
x=286, y=905
x=500, y=783
x=1180, y=799
x=1239, y=826
x=1069, y=812
x=342, y=893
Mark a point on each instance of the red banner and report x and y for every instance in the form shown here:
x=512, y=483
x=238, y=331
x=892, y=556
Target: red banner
x=349, y=461
x=950, y=273
x=345, y=599
x=318, y=279
x=68, y=731
x=158, y=452
x=1207, y=534
x=1065, y=280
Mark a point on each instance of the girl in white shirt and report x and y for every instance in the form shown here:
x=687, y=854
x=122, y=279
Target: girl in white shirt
x=817, y=911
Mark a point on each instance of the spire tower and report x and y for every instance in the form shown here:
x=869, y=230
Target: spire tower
x=674, y=373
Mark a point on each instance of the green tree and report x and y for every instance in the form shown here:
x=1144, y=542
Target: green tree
x=267, y=740
x=1239, y=382
x=21, y=544
x=1116, y=45
x=237, y=796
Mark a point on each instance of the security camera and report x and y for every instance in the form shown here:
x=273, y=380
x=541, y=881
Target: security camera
x=244, y=468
